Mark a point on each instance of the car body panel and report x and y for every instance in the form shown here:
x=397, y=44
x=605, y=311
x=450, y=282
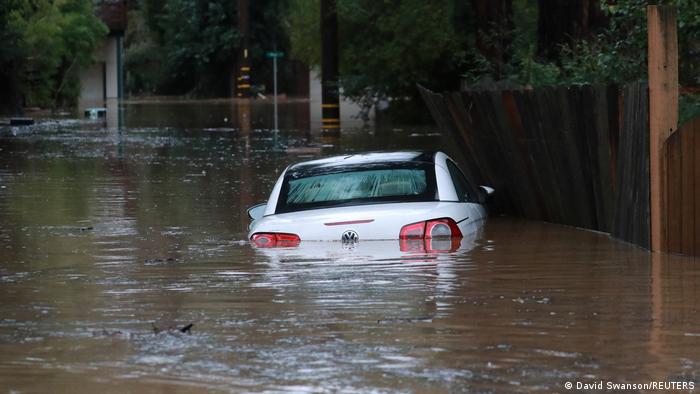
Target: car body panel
x=362, y=253
x=370, y=221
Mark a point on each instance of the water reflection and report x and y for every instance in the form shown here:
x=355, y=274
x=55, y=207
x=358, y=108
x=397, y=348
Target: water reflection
x=103, y=234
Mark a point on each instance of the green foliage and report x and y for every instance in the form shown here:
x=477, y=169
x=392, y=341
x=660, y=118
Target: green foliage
x=54, y=40
x=10, y=54
x=200, y=35
x=386, y=47
x=190, y=47
x=10, y=33
x=689, y=107
x=615, y=54
x=524, y=68
x=689, y=42
x=304, y=29
x=142, y=56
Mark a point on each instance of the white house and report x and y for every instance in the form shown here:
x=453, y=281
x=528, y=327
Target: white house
x=101, y=85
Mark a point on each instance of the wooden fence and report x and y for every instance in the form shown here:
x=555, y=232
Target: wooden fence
x=681, y=227
x=552, y=154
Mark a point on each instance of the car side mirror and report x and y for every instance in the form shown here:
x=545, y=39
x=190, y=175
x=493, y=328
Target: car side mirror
x=485, y=194
x=257, y=211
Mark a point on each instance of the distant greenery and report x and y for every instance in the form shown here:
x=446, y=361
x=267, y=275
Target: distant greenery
x=44, y=46
x=386, y=47
x=190, y=47
x=619, y=53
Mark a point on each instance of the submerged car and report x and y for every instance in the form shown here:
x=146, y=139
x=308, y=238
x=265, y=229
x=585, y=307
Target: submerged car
x=420, y=198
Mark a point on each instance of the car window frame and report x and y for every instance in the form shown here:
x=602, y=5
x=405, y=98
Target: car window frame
x=429, y=195
x=470, y=194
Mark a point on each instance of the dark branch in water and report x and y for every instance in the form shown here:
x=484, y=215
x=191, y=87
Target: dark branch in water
x=172, y=330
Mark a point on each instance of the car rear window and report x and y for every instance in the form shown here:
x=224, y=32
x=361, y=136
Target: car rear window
x=356, y=186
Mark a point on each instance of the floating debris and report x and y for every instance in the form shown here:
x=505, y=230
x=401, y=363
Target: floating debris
x=159, y=261
x=420, y=319
x=21, y=121
x=111, y=334
x=173, y=330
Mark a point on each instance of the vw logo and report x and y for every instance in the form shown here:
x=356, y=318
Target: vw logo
x=350, y=237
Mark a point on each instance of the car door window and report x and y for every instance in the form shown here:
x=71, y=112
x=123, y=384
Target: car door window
x=460, y=182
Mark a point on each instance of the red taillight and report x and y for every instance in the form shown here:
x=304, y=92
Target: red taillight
x=430, y=245
x=412, y=245
x=287, y=239
x=440, y=235
x=435, y=228
x=414, y=230
x=442, y=244
x=445, y=227
x=271, y=240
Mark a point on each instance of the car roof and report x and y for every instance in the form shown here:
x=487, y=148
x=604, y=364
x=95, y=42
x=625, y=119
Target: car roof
x=359, y=159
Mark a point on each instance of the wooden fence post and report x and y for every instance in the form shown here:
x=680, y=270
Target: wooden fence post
x=663, y=108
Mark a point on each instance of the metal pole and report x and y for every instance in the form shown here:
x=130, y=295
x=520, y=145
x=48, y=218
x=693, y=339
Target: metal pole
x=243, y=72
x=274, y=84
x=330, y=100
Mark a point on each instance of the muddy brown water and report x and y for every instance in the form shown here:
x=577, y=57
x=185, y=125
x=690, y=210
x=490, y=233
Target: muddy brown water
x=105, y=233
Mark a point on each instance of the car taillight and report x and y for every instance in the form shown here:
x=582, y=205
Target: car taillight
x=445, y=227
x=412, y=231
x=271, y=240
x=436, y=235
x=435, y=228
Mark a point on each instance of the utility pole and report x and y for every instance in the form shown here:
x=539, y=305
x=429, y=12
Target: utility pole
x=243, y=71
x=330, y=97
x=242, y=83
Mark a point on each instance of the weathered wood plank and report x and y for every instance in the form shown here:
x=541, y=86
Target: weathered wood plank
x=631, y=208
x=696, y=186
x=527, y=104
x=674, y=195
x=663, y=99
x=601, y=157
x=533, y=201
x=549, y=152
x=687, y=203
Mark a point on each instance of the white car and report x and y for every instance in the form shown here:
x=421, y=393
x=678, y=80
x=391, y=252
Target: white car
x=420, y=198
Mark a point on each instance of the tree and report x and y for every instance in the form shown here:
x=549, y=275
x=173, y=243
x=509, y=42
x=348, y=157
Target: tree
x=10, y=55
x=564, y=22
x=50, y=42
x=494, y=30
x=386, y=47
x=189, y=46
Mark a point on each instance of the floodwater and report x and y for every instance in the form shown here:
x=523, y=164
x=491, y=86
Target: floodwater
x=107, y=233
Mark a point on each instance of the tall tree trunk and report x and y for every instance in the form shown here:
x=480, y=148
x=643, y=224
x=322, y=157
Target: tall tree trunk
x=563, y=22
x=11, y=97
x=494, y=27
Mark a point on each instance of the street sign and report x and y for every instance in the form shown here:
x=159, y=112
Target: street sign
x=274, y=54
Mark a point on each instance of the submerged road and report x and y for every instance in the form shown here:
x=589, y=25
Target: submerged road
x=109, y=238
